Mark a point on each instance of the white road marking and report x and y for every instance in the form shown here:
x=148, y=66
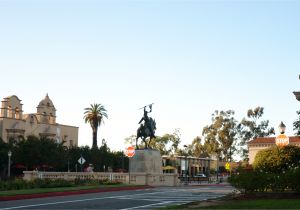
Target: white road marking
x=74, y=201
x=154, y=204
x=188, y=195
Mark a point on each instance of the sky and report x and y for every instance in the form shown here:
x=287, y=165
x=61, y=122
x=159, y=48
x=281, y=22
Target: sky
x=189, y=58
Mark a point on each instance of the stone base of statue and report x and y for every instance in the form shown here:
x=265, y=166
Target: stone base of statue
x=146, y=161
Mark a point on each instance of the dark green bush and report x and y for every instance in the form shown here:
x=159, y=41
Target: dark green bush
x=18, y=184
x=275, y=169
x=108, y=182
x=261, y=181
x=294, y=177
x=277, y=159
x=37, y=183
x=13, y=185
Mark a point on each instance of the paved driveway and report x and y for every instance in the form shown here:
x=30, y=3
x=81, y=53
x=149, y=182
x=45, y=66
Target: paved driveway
x=134, y=199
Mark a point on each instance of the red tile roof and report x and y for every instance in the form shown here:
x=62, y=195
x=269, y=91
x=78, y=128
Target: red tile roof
x=271, y=140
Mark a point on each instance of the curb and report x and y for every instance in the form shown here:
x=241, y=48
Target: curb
x=66, y=193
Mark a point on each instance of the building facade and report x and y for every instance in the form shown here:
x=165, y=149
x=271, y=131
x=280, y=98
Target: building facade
x=15, y=125
x=261, y=143
x=180, y=164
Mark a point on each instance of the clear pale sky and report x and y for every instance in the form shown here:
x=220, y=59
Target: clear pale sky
x=188, y=57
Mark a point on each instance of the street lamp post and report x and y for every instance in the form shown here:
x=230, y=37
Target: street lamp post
x=186, y=168
x=217, y=169
x=282, y=128
x=9, y=156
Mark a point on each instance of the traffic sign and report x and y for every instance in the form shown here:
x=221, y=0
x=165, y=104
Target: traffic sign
x=282, y=140
x=227, y=166
x=130, y=151
x=81, y=160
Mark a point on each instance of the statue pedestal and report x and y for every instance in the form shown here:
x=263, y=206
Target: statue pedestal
x=146, y=161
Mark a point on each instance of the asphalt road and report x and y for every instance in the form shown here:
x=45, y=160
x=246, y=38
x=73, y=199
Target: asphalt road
x=133, y=199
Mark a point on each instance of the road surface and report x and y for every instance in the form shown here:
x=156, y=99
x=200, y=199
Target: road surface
x=132, y=199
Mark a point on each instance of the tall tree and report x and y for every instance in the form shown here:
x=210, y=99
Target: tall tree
x=94, y=115
x=35, y=152
x=251, y=128
x=4, y=147
x=197, y=149
x=220, y=137
x=296, y=125
x=168, y=143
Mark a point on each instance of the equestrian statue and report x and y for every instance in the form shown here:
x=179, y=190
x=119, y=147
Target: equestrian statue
x=147, y=128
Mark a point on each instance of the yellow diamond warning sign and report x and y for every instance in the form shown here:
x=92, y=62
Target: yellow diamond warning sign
x=227, y=166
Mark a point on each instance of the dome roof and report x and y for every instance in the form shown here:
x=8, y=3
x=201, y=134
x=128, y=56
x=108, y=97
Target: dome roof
x=46, y=102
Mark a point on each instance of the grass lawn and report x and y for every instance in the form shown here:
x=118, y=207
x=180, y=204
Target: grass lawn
x=243, y=204
x=258, y=204
x=58, y=189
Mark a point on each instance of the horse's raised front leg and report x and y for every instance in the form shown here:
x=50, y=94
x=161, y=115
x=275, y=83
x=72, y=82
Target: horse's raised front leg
x=145, y=142
x=136, y=143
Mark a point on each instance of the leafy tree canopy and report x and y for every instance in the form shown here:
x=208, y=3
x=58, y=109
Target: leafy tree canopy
x=95, y=116
x=221, y=136
x=197, y=149
x=252, y=127
x=166, y=144
x=277, y=159
x=296, y=125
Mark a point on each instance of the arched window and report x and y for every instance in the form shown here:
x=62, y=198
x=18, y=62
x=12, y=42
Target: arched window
x=9, y=112
x=17, y=113
x=31, y=119
x=51, y=118
x=45, y=118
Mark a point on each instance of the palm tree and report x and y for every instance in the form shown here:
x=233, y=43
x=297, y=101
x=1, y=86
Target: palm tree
x=94, y=115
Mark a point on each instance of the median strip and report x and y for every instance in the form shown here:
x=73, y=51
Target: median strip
x=71, y=192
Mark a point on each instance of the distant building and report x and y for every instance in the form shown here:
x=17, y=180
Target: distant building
x=261, y=143
x=15, y=125
x=194, y=165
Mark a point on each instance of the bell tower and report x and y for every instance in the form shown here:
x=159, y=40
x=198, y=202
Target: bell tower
x=46, y=112
x=11, y=107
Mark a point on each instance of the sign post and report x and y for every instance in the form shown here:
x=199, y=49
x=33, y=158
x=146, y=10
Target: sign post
x=129, y=152
x=227, y=167
x=81, y=161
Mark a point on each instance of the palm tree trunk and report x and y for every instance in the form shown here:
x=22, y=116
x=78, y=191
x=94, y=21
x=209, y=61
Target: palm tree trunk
x=95, y=137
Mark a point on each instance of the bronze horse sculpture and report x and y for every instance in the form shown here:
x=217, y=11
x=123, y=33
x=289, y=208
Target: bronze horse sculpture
x=146, y=129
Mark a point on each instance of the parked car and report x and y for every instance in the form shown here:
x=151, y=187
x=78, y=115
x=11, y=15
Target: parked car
x=200, y=175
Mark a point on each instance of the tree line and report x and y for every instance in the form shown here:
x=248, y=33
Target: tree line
x=45, y=154
x=224, y=137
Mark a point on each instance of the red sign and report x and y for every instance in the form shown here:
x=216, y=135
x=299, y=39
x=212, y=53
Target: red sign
x=282, y=140
x=129, y=151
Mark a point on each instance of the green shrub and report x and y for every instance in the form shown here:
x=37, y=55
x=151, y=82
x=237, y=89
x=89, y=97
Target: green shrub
x=249, y=181
x=109, y=182
x=276, y=169
x=261, y=181
x=13, y=184
x=18, y=184
x=294, y=177
x=277, y=159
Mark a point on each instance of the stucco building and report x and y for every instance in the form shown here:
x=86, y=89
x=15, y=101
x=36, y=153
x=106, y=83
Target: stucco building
x=261, y=143
x=193, y=165
x=15, y=125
